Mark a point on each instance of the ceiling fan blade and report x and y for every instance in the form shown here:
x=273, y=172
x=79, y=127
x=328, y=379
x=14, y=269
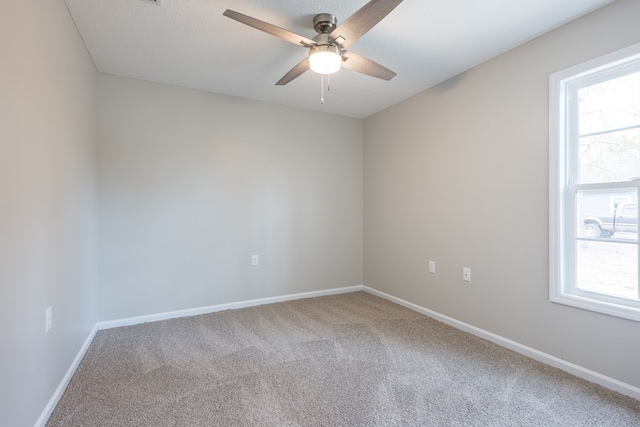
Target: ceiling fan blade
x=296, y=71
x=269, y=28
x=362, y=21
x=359, y=63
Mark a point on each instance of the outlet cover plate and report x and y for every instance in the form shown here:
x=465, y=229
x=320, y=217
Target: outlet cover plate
x=48, y=319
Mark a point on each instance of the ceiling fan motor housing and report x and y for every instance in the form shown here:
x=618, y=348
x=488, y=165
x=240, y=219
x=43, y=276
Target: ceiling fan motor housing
x=324, y=43
x=331, y=48
x=324, y=23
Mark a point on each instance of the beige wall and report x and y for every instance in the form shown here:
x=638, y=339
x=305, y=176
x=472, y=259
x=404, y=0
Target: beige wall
x=192, y=184
x=47, y=141
x=459, y=175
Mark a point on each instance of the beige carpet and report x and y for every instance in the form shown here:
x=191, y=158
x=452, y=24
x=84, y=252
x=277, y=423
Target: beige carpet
x=344, y=360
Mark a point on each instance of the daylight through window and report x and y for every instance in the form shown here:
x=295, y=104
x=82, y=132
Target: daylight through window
x=595, y=182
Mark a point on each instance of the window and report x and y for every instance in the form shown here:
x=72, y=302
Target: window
x=595, y=183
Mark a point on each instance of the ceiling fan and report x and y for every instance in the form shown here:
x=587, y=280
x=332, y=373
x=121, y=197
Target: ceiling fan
x=327, y=50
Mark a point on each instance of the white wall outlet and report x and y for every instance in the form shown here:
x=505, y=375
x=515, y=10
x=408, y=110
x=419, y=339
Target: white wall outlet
x=254, y=260
x=432, y=267
x=466, y=274
x=48, y=319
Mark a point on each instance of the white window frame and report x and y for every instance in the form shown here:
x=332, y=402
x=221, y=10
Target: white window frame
x=562, y=217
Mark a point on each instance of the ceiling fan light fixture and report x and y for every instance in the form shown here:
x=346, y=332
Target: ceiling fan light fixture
x=325, y=59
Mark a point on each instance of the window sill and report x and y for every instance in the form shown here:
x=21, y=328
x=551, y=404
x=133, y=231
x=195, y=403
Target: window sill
x=604, y=307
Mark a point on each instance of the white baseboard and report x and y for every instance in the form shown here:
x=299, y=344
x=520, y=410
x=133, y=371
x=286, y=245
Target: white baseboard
x=220, y=307
x=48, y=410
x=578, y=371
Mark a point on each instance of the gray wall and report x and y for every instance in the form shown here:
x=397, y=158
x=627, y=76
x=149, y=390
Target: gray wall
x=47, y=143
x=459, y=174
x=191, y=184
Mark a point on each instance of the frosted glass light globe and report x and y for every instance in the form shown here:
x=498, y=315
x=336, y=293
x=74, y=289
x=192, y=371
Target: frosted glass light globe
x=325, y=59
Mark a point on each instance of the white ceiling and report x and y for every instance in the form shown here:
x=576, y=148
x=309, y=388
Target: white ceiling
x=190, y=43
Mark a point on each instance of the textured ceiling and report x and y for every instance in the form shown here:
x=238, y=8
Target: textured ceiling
x=190, y=43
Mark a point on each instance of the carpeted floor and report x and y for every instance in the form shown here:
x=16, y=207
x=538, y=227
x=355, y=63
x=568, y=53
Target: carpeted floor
x=345, y=360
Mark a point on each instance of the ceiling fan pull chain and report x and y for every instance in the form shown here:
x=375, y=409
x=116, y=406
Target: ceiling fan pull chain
x=322, y=89
x=328, y=82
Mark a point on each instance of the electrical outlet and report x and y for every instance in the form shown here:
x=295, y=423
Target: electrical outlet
x=48, y=319
x=254, y=260
x=466, y=274
x=432, y=267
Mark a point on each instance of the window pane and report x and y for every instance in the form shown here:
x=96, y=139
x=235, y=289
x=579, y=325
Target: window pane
x=607, y=242
x=610, y=157
x=609, y=130
x=613, y=104
x=607, y=214
x=607, y=268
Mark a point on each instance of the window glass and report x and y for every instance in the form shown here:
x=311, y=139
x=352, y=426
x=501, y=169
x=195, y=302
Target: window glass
x=612, y=104
x=606, y=244
x=609, y=136
x=610, y=157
